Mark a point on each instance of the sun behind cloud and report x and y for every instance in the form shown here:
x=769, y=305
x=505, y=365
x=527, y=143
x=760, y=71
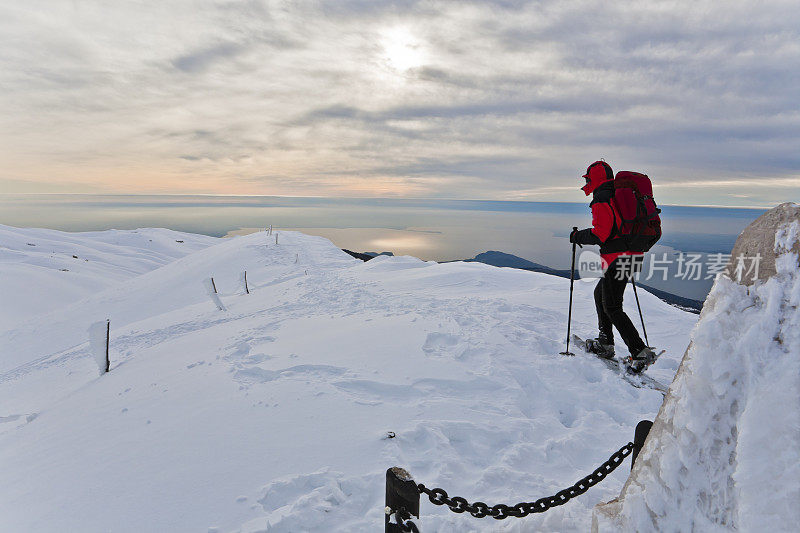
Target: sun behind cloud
x=402, y=49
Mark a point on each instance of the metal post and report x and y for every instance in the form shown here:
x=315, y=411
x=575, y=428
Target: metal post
x=639, y=436
x=402, y=495
x=245, y=282
x=214, y=285
x=571, y=283
x=108, y=341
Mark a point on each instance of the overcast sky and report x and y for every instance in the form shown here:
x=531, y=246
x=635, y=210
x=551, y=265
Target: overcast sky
x=494, y=100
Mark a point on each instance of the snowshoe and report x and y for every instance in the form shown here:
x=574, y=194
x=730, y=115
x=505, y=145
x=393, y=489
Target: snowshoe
x=621, y=369
x=600, y=348
x=639, y=362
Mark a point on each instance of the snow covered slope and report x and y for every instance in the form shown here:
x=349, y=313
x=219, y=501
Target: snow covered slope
x=273, y=414
x=44, y=269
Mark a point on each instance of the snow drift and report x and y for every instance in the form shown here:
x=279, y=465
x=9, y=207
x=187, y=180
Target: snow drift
x=723, y=452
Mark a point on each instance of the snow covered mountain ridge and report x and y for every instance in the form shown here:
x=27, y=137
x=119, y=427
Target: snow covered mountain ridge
x=44, y=269
x=273, y=414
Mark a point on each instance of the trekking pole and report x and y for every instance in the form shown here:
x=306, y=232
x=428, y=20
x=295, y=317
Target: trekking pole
x=641, y=317
x=571, y=283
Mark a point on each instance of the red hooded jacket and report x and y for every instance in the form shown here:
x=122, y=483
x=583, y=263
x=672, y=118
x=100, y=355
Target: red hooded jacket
x=605, y=219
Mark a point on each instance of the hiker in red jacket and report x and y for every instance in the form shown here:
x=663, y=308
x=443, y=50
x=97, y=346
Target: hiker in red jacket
x=617, y=261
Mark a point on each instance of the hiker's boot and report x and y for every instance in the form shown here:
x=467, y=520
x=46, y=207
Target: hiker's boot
x=601, y=346
x=639, y=362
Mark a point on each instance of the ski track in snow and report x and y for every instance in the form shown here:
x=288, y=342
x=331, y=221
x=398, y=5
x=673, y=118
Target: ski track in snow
x=272, y=415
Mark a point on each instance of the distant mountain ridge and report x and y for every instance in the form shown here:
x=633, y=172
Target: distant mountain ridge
x=502, y=259
x=365, y=256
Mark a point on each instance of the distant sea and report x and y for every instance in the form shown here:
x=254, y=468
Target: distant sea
x=431, y=229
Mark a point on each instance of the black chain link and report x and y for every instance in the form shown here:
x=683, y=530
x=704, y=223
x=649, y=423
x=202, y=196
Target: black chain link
x=500, y=511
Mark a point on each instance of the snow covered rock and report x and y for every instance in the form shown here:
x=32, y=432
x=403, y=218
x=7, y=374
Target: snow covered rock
x=758, y=240
x=722, y=454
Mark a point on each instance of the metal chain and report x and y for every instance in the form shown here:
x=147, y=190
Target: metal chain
x=520, y=510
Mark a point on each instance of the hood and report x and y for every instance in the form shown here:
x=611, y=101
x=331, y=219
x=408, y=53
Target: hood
x=598, y=173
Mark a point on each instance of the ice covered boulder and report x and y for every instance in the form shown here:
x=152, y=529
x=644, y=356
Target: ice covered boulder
x=756, y=245
x=723, y=451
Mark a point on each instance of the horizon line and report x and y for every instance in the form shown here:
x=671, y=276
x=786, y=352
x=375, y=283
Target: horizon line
x=713, y=206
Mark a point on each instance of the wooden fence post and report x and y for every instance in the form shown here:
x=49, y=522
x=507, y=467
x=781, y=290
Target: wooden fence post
x=108, y=341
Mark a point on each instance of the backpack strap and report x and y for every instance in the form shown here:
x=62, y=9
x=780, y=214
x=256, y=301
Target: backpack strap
x=615, y=228
x=614, y=224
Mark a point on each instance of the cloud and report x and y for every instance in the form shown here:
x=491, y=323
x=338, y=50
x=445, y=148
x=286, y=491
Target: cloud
x=199, y=60
x=450, y=99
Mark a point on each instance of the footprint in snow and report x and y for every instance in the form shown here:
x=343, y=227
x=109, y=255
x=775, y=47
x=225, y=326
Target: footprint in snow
x=256, y=374
x=320, y=486
x=318, y=371
x=439, y=343
x=258, y=358
x=470, y=353
x=241, y=349
x=375, y=392
x=15, y=421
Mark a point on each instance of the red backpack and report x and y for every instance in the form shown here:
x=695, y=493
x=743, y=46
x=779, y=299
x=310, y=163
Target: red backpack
x=633, y=200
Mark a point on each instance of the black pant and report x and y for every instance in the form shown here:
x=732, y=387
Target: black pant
x=608, y=300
